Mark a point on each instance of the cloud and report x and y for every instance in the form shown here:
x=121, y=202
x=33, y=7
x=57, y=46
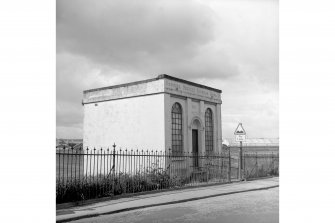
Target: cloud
x=74, y=75
x=246, y=100
x=230, y=45
x=189, y=39
x=145, y=37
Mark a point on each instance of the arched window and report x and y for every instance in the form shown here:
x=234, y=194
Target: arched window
x=209, y=130
x=177, y=129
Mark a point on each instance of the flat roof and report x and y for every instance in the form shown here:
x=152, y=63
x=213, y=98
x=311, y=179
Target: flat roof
x=161, y=76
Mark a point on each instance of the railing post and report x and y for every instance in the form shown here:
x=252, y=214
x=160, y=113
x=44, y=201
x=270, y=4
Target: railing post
x=272, y=159
x=244, y=168
x=256, y=166
x=67, y=165
x=229, y=166
x=87, y=163
x=107, y=177
x=59, y=152
x=114, y=185
x=170, y=163
x=208, y=166
x=75, y=166
x=71, y=163
x=240, y=163
x=63, y=164
x=100, y=165
x=221, y=158
x=80, y=149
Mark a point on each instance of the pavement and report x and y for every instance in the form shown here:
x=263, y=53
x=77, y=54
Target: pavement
x=162, y=198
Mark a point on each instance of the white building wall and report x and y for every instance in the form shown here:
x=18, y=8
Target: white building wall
x=132, y=123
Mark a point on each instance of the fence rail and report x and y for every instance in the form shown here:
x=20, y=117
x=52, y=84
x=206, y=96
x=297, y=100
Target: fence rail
x=91, y=173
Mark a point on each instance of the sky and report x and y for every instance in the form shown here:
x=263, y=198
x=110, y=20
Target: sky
x=231, y=45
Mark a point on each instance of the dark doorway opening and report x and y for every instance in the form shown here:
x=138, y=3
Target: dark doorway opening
x=195, y=147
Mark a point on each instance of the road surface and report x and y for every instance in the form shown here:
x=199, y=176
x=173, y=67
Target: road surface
x=252, y=207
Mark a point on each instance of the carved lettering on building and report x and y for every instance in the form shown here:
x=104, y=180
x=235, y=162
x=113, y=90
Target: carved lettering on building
x=191, y=91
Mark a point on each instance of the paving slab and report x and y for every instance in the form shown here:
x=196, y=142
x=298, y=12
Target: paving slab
x=162, y=198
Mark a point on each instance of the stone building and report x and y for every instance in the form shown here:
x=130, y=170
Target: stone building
x=157, y=114
x=162, y=114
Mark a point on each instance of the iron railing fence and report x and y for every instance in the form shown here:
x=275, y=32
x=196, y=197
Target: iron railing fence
x=256, y=165
x=91, y=173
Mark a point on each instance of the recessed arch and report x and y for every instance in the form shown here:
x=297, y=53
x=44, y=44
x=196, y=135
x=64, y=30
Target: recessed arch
x=196, y=123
